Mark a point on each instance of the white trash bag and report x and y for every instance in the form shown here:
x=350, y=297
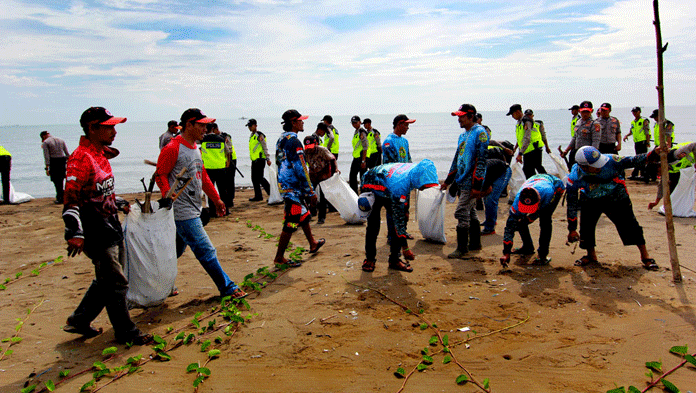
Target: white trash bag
x=343, y=198
x=516, y=179
x=430, y=210
x=274, y=197
x=150, y=240
x=18, y=197
x=683, y=195
x=561, y=167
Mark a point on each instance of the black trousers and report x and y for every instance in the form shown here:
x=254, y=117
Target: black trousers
x=220, y=179
x=532, y=163
x=545, y=230
x=5, y=166
x=372, y=232
x=57, y=173
x=620, y=212
x=607, y=148
x=374, y=160
x=231, y=173
x=355, y=171
x=257, y=179
x=641, y=147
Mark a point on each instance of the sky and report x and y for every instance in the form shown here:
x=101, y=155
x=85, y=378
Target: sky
x=149, y=60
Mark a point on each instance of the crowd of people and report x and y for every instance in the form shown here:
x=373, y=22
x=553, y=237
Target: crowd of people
x=382, y=175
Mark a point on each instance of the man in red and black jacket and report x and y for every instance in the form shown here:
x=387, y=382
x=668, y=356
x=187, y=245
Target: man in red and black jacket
x=90, y=214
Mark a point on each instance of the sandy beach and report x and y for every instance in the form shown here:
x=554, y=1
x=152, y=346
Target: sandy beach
x=318, y=328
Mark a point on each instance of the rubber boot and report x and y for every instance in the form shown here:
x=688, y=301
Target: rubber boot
x=462, y=244
x=475, y=236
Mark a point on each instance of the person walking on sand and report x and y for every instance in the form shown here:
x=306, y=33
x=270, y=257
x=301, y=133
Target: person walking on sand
x=295, y=186
x=529, y=141
x=330, y=140
x=182, y=153
x=468, y=171
x=498, y=173
x=387, y=186
x=640, y=130
x=609, y=131
x=594, y=186
x=90, y=213
x=216, y=161
x=538, y=197
x=5, y=167
x=374, y=149
x=258, y=152
x=56, y=154
x=172, y=130
x=360, y=145
x=587, y=130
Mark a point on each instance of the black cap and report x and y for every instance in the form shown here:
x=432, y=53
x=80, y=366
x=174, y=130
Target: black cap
x=367, y=120
x=322, y=126
x=402, y=119
x=479, y=116
x=355, y=119
x=605, y=105
x=636, y=109
x=172, y=123
x=43, y=133
x=292, y=114
x=655, y=114
x=99, y=115
x=529, y=112
x=465, y=109
x=196, y=115
x=513, y=109
x=311, y=140
x=327, y=118
x=586, y=106
x=574, y=107
x=251, y=122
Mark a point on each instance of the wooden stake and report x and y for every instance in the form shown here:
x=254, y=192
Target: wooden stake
x=664, y=170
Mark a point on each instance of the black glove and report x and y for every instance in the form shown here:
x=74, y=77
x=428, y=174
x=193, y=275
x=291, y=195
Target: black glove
x=165, y=203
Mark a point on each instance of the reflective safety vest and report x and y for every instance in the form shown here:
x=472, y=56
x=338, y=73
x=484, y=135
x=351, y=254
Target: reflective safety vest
x=656, y=133
x=334, y=146
x=4, y=152
x=213, y=154
x=535, y=141
x=687, y=161
x=357, y=145
x=371, y=144
x=637, y=130
x=572, y=126
x=255, y=150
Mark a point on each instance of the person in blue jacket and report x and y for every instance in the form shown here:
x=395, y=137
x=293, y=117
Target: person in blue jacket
x=538, y=197
x=295, y=187
x=596, y=185
x=390, y=185
x=468, y=171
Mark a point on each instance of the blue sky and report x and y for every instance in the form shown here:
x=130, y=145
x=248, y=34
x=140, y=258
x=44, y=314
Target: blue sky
x=150, y=60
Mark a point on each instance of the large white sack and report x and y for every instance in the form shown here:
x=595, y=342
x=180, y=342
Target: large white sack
x=18, y=197
x=683, y=195
x=343, y=198
x=516, y=179
x=560, y=165
x=430, y=210
x=274, y=198
x=150, y=240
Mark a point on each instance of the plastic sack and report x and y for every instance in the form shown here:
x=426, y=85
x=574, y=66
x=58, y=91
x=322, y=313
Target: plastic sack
x=561, y=167
x=343, y=198
x=683, y=195
x=430, y=210
x=18, y=197
x=274, y=197
x=516, y=179
x=150, y=240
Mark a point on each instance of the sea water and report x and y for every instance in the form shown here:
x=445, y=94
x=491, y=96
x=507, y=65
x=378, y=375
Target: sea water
x=433, y=136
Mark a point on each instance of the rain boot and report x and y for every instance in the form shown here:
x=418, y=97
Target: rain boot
x=462, y=244
x=475, y=236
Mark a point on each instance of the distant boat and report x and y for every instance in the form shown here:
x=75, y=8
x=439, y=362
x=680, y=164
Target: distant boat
x=242, y=118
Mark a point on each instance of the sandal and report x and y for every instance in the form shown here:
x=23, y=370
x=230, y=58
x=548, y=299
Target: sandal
x=400, y=265
x=408, y=255
x=541, y=262
x=238, y=294
x=649, y=264
x=320, y=243
x=288, y=263
x=86, y=331
x=368, y=266
x=584, y=261
x=138, y=338
x=523, y=251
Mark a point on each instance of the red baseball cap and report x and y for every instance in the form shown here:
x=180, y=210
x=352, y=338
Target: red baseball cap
x=99, y=115
x=196, y=115
x=529, y=200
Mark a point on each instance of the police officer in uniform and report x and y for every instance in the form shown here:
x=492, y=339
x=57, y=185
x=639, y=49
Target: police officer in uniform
x=258, y=152
x=215, y=162
x=529, y=141
x=359, y=164
x=640, y=130
x=374, y=145
x=610, y=131
x=330, y=141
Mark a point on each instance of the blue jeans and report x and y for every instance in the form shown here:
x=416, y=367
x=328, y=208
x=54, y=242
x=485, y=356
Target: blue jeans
x=491, y=201
x=192, y=233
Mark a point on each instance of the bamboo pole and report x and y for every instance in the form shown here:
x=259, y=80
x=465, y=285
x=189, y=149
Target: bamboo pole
x=669, y=219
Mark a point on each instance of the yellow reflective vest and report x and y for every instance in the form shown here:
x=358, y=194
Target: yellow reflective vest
x=656, y=133
x=371, y=144
x=637, y=130
x=535, y=140
x=572, y=126
x=255, y=149
x=213, y=154
x=357, y=145
x=687, y=161
x=334, y=146
x=4, y=152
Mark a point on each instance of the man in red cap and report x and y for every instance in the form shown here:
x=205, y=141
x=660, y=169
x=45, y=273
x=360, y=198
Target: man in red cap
x=587, y=130
x=610, y=131
x=181, y=153
x=91, y=220
x=537, y=198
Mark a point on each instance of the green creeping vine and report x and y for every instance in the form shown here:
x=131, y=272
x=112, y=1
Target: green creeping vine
x=15, y=339
x=34, y=272
x=682, y=352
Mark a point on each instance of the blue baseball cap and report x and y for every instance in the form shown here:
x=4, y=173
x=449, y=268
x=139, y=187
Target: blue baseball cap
x=588, y=155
